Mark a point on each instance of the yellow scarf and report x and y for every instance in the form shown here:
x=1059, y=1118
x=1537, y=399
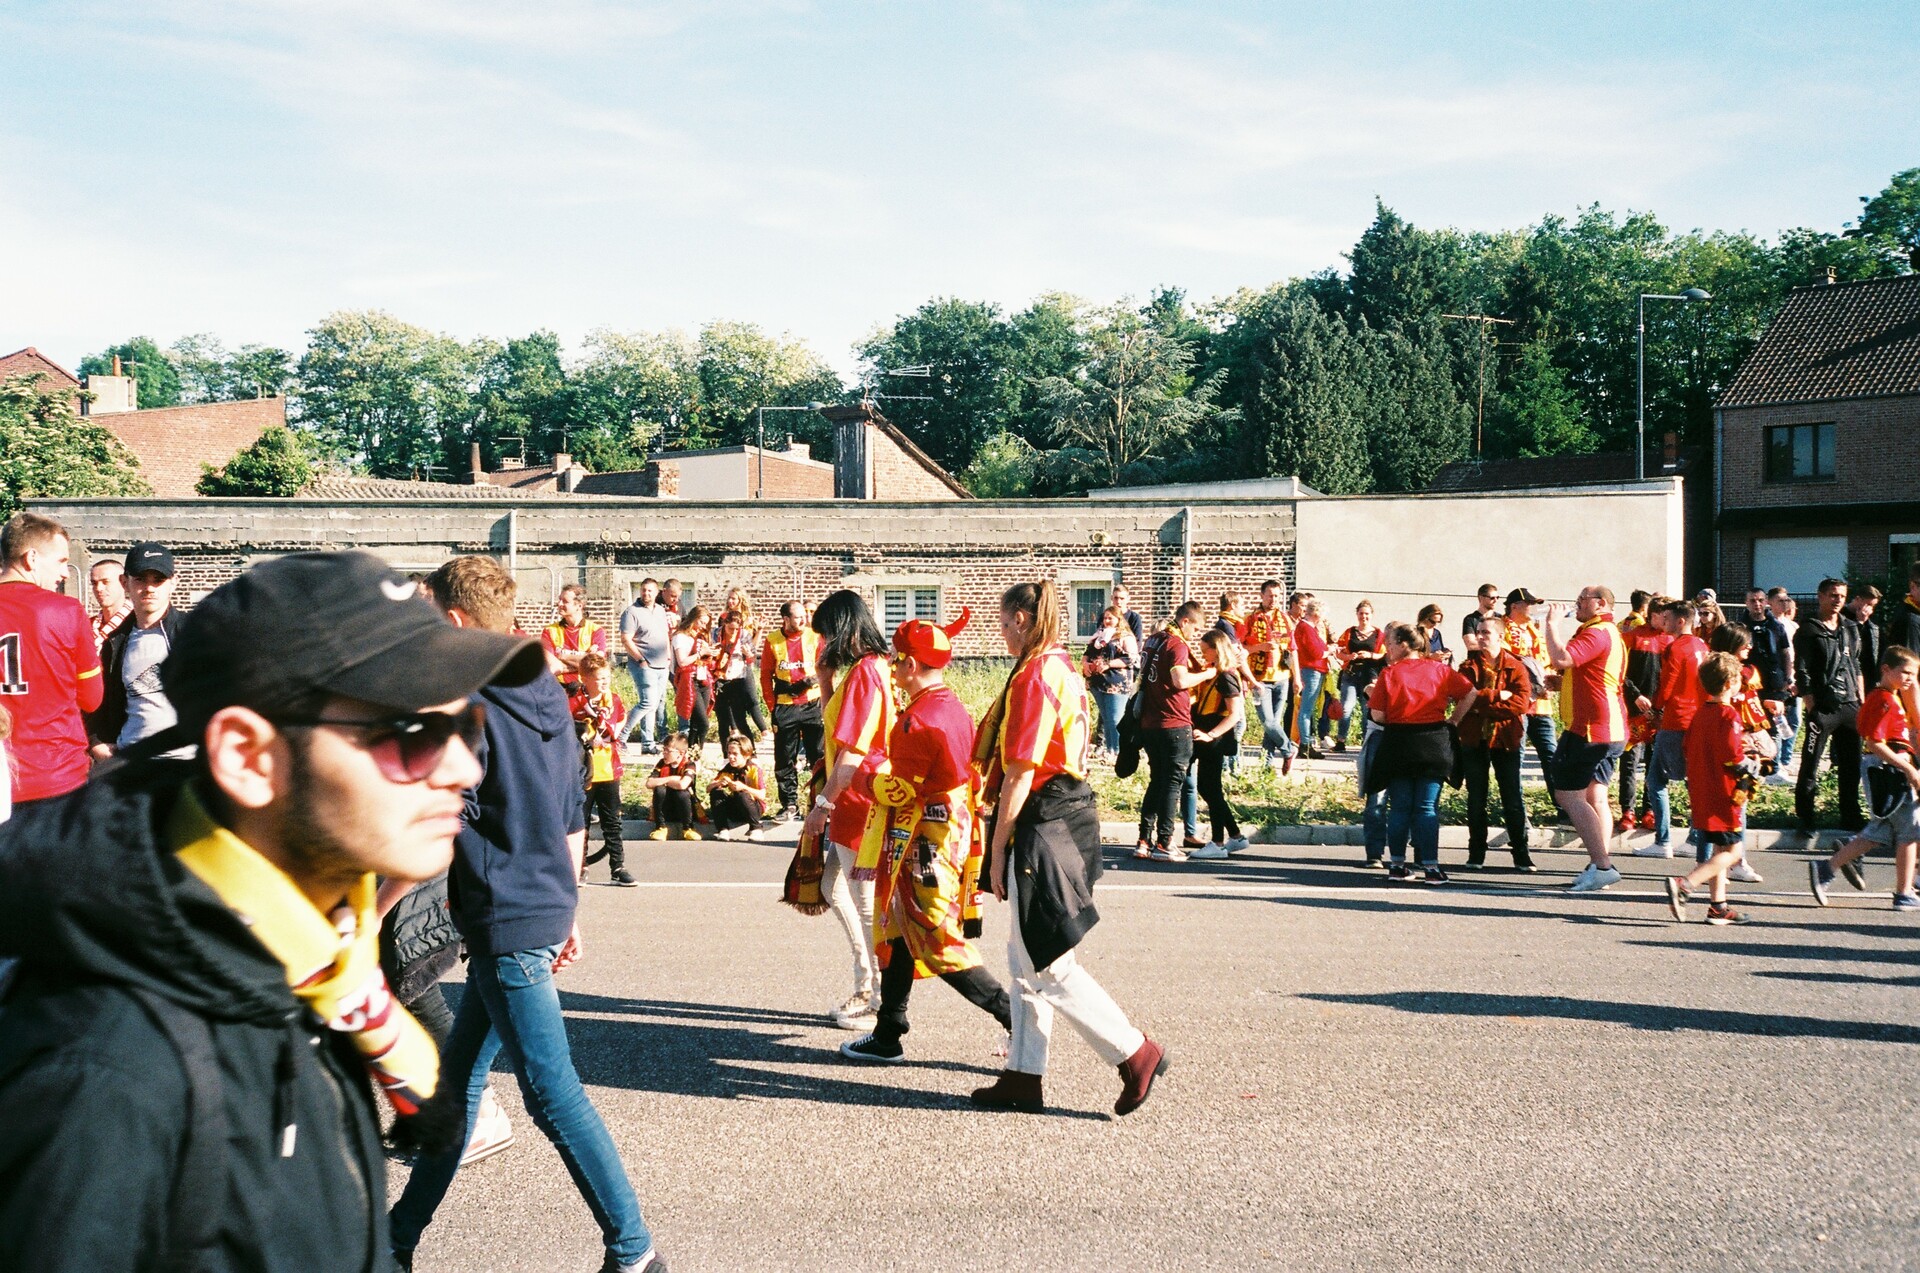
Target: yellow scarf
x=333, y=966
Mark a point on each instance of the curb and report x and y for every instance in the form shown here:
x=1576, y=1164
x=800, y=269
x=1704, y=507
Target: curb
x=1455, y=837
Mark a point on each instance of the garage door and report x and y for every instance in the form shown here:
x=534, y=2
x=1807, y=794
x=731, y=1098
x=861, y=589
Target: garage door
x=1799, y=564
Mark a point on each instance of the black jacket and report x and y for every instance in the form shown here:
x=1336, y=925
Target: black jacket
x=94, y=1099
x=1827, y=664
x=105, y=722
x=1902, y=628
x=1055, y=850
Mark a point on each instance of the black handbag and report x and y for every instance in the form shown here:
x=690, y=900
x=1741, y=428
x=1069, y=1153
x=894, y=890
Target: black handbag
x=1886, y=789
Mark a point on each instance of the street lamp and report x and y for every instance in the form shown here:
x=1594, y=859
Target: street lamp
x=760, y=431
x=1640, y=363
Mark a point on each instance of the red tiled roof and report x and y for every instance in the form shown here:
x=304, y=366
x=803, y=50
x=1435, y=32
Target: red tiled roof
x=1843, y=340
x=26, y=362
x=172, y=443
x=350, y=489
x=1551, y=471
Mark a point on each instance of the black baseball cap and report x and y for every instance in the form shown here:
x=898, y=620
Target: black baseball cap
x=150, y=556
x=332, y=623
x=1521, y=597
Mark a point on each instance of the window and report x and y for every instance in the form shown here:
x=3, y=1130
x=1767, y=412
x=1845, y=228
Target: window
x=1089, y=603
x=1799, y=452
x=897, y=605
x=1798, y=564
x=1902, y=552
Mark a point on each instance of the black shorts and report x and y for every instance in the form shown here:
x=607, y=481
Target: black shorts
x=1579, y=764
x=1720, y=839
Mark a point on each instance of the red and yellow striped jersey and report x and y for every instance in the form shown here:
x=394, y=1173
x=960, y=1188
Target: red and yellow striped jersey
x=1046, y=721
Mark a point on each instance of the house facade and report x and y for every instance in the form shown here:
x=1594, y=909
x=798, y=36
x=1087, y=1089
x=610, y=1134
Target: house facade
x=1817, y=442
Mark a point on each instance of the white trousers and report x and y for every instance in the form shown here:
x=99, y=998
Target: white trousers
x=852, y=903
x=1066, y=986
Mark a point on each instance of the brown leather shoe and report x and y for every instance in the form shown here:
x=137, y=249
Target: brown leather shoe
x=1012, y=1090
x=1137, y=1074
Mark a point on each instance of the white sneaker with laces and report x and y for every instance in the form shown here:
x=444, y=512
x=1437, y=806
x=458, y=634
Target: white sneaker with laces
x=1654, y=851
x=1208, y=853
x=1595, y=878
x=1745, y=874
x=855, y=1014
x=492, y=1132
x=1236, y=844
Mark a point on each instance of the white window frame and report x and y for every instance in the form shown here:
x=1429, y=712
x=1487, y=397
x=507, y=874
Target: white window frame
x=1071, y=586
x=910, y=595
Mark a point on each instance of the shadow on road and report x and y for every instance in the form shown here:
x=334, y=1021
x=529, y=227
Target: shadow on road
x=1836, y=978
x=1768, y=950
x=1641, y=1016
x=703, y=1049
x=1404, y=901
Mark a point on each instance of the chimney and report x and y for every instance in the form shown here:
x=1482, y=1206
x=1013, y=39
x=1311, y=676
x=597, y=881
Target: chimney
x=1670, y=451
x=1827, y=277
x=474, y=475
x=116, y=364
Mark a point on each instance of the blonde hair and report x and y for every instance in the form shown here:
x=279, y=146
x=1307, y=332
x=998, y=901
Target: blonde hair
x=1041, y=603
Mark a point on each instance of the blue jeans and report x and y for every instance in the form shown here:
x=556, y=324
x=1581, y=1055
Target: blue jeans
x=650, y=694
x=511, y=1003
x=1792, y=731
x=1113, y=705
x=1413, y=806
x=1190, y=802
x=1270, y=704
x=1310, y=682
x=1666, y=760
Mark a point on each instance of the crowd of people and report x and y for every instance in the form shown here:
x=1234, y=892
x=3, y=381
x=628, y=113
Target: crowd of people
x=322, y=784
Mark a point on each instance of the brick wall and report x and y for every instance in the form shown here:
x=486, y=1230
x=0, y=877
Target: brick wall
x=1876, y=453
x=786, y=479
x=895, y=475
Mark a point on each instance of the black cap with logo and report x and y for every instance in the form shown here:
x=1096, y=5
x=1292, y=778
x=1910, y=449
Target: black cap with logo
x=149, y=556
x=1521, y=597
x=330, y=623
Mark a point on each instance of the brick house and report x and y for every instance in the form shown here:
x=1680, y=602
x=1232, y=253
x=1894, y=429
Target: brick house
x=31, y=362
x=1817, y=441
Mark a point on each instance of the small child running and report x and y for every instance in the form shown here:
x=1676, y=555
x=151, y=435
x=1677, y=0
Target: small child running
x=1719, y=778
x=675, y=809
x=738, y=794
x=1883, y=726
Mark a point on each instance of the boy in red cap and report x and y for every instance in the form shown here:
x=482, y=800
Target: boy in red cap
x=924, y=907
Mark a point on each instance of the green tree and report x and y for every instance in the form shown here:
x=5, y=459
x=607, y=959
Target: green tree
x=740, y=368
x=975, y=383
x=385, y=395
x=523, y=394
x=628, y=391
x=48, y=450
x=1131, y=397
x=1893, y=215
x=1045, y=344
x=156, y=380
x=1417, y=419
x=209, y=373
x=276, y=466
x=1403, y=276
x=1537, y=414
x=1003, y=468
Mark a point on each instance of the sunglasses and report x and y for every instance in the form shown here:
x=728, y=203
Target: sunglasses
x=407, y=748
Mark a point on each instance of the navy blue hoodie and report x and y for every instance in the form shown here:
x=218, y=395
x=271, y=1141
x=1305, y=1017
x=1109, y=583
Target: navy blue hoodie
x=513, y=884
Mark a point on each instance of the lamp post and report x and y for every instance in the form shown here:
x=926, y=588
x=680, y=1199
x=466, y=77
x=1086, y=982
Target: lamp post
x=1640, y=367
x=760, y=432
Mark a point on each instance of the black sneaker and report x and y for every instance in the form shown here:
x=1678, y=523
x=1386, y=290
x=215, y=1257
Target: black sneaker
x=1434, y=875
x=1524, y=864
x=651, y=1262
x=873, y=1049
x=1819, y=875
x=1399, y=873
x=403, y=1260
x=625, y=879
x=1853, y=875
x=789, y=814
x=1376, y=864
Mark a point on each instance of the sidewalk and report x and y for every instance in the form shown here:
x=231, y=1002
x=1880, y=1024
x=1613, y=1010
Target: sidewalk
x=1455, y=837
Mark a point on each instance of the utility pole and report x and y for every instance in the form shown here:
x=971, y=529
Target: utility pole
x=1480, y=376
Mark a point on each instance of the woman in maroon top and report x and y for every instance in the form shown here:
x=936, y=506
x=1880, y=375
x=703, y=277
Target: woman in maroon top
x=1492, y=735
x=1310, y=643
x=1410, y=700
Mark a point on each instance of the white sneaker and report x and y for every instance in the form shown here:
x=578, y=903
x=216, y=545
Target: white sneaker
x=727, y=833
x=756, y=834
x=1595, y=878
x=1654, y=851
x=1208, y=853
x=492, y=1132
x=1745, y=874
x=1236, y=844
x=855, y=1014
x=1777, y=779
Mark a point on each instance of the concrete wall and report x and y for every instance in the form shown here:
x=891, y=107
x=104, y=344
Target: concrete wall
x=719, y=476
x=1402, y=551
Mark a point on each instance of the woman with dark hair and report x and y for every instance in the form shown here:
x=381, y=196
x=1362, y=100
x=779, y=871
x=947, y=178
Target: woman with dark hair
x=858, y=717
x=1430, y=621
x=736, y=664
x=1219, y=707
x=1410, y=701
x=693, y=675
x=1044, y=856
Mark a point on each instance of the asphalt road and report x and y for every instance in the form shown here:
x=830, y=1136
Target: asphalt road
x=1491, y=1075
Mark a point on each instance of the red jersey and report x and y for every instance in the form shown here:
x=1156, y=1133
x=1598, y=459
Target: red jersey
x=1310, y=645
x=858, y=717
x=1748, y=705
x=931, y=745
x=1259, y=628
x=1046, y=721
x=602, y=717
x=49, y=674
x=1162, y=704
x=1882, y=719
x=1599, y=668
x=1417, y=691
x=1713, y=743
x=1680, y=692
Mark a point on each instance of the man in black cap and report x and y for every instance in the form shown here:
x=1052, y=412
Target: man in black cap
x=1526, y=642
x=191, y=1041
x=133, y=705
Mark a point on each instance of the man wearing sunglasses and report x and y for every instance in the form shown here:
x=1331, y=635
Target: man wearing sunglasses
x=194, y=1031
x=515, y=889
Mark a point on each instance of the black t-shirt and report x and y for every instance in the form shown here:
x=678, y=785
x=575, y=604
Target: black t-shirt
x=1827, y=663
x=1213, y=701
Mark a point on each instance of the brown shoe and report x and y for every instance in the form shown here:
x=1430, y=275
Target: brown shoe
x=1137, y=1074
x=1012, y=1090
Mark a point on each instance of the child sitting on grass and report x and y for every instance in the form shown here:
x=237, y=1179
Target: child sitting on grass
x=675, y=809
x=1719, y=779
x=1883, y=726
x=738, y=794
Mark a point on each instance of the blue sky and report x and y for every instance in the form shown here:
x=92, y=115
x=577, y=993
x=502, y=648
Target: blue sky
x=244, y=167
